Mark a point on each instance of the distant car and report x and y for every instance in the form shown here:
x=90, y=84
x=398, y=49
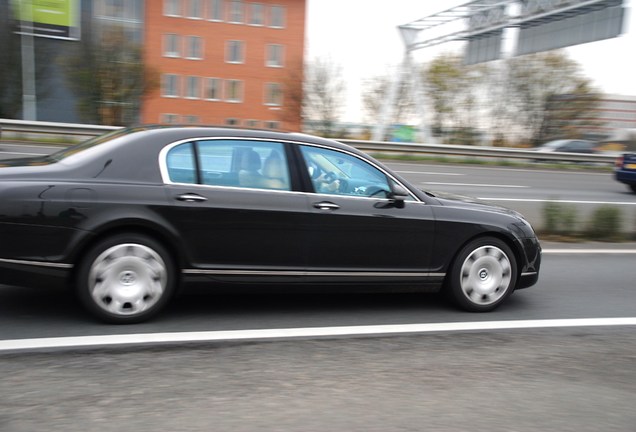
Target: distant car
x=625, y=170
x=568, y=146
x=127, y=217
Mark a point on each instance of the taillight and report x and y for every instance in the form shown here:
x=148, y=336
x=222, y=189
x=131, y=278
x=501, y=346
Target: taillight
x=619, y=161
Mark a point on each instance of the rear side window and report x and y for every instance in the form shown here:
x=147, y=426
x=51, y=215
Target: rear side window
x=231, y=163
x=181, y=164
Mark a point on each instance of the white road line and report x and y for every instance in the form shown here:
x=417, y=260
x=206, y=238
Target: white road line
x=539, y=200
x=291, y=333
x=589, y=251
x=475, y=185
x=430, y=173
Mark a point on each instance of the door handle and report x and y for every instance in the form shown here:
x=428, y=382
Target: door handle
x=325, y=205
x=190, y=197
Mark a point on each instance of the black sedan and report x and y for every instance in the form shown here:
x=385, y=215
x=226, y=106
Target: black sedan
x=129, y=217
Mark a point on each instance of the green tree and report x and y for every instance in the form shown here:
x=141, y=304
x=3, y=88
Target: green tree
x=532, y=82
x=456, y=93
x=109, y=78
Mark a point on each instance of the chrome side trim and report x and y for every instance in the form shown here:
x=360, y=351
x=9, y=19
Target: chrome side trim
x=306, y=273
x=529, y=274
x=37, y=263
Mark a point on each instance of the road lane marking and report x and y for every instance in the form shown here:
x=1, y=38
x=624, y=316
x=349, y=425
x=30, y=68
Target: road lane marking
x=539, y=200
x=297, y=333
x=475, y=185
x=589, y=251
x=430, y=173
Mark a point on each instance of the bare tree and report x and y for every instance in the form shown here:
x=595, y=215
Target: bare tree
x=324, y=95
x=377, y=91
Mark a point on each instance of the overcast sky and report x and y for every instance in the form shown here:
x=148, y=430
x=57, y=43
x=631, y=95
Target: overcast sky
x=362, y=36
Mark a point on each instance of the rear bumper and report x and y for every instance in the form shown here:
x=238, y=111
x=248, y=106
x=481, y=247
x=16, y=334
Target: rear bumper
x=624, y=176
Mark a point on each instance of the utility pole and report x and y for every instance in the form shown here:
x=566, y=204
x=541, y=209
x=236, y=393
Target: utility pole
x=28, y=61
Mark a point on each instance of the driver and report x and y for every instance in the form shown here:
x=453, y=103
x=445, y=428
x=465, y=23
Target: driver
x=323, y=181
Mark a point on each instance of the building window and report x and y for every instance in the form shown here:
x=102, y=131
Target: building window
x=191, y=119
x=277, y=17
x=213, y=89
x=215, y=10
x=172, y=7
x=273, y=94
x=169, y=118
x=252, y=124
x=235, y=52
x=170, y=85
x=171, y=44
x=195, y=9
x=257, y=14
x=236, y=11
x=194, y=48
x=274, y=55
x=231, y=122
x=272, y=125
x=234, y=91
x=192, y=87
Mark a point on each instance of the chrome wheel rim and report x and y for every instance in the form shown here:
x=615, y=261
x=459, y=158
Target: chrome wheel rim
x=127, y=279
x=486, y=275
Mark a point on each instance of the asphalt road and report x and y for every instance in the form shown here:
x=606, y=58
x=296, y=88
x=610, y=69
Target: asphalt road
x=565, y=379
x=560, y=379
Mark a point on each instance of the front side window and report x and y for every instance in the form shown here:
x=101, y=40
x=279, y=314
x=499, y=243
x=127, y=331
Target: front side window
x=244, y=163
x=337, y=173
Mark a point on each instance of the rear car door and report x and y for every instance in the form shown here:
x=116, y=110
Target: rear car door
x=232, y=200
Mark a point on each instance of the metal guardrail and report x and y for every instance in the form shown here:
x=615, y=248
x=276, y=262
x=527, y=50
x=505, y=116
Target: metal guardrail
x=71, y=130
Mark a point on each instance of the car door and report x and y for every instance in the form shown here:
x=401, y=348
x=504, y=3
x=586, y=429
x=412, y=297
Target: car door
x=354, y=225
x=233, y=204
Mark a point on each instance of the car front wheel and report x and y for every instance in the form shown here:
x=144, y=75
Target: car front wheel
x=483, y=275
x=126, y=279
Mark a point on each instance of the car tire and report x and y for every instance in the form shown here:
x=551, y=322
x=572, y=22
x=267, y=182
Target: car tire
x=482, y=275
x=633, y=187
x=126, y=278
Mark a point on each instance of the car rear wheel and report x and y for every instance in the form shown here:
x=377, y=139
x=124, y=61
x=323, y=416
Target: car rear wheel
x=633, y=187
x=127, y=278
x=483, y=275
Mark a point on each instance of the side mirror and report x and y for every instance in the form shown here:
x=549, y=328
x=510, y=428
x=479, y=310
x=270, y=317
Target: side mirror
x=398, y=195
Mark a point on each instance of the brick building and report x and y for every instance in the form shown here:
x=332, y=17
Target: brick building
x=221, y=62
x=225, y=62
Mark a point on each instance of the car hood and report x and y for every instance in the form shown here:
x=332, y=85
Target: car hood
x=462, y=201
